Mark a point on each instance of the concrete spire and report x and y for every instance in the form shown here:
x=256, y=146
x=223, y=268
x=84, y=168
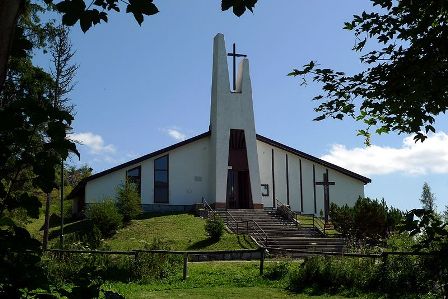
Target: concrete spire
x=243, y=83
x=230, y=110
x=220, y=77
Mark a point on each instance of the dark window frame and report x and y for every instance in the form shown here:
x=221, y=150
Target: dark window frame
x=167, y=179
x=139, y=186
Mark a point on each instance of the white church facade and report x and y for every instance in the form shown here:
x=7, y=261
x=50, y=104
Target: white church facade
x=230, y=166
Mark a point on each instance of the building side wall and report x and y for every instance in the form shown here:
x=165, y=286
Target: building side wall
x=265, y=166
x=348, y=190
x=104, y=187
x=188, y=177
x=345, y=191
x=189, y=173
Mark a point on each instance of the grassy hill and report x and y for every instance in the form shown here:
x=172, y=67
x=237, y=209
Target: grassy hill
x=182, y=231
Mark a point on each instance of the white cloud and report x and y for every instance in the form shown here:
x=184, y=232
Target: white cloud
x=93, y=142
x=411, y=158
x=176, y=134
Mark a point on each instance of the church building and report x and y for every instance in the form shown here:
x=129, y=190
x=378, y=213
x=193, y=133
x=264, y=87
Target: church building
x=230, y=166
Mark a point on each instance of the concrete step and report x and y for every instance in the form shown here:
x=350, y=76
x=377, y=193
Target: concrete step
x=320, y=248
x=281, y=232
x=297, y=240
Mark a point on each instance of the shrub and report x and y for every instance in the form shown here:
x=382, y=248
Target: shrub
x=128, y=201
x=155, y=266
x=105, y=216
x=214, y=226
x=397, y=276
x=369, y=220
x=278, y=271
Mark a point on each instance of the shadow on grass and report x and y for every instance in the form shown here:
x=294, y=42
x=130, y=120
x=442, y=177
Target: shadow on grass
x=149, y=215
x=55, y=220
x=81, y=227
x=245, y=242
x=202, y=244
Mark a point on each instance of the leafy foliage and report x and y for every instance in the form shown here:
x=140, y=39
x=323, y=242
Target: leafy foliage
x=369, y=220
x=214, y=226
x=396, y=276
x=239, y=6
x=73, y=175
x=277, y=271
x=105, y=216
x=155, y=266
x=32, y=143
x=97, y=11
x=20, y=257
x=405, y=82
x=128, y=201
x=432, y=235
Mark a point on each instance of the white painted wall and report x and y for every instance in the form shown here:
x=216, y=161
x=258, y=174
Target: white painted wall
x=105, y=186
x=189, y=173
x=265, y=166
x=188, y=176
x=345, y=191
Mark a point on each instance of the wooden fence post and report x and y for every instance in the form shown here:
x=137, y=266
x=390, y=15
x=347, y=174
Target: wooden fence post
x=262, y=253
x=185, y=272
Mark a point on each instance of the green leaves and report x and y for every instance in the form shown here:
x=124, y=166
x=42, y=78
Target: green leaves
x=71, y=11
x=404, y=85
x=91, y=17
x=141, y=7
x=76, y=10
x=239, y=6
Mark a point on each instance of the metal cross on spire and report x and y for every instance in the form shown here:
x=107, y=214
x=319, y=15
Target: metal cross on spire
x=235, y=55
x=326, y=184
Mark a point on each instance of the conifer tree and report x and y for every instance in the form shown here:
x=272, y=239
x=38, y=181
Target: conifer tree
x=428, y=198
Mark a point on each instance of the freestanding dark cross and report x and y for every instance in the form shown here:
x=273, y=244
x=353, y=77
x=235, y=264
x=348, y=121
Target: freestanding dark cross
x=326, y=185
x=235, y=55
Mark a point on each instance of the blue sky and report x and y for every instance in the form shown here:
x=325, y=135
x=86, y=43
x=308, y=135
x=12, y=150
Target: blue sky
x=142, y=88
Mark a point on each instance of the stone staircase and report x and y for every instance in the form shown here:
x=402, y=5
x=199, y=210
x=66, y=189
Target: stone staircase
x=281, y=233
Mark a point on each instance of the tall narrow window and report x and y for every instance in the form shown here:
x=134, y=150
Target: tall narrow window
x=134, y=176
x=161, y=180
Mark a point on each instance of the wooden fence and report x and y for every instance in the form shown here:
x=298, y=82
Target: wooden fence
x=221, y=254
x=229, y=254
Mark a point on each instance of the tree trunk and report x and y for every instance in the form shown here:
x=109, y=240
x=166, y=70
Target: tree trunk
x=47, y=222
x=9, y=13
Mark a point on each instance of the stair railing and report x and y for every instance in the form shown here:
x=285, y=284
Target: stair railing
x=255, y=230
x=208, y=208
x=318, y=224
x=259, y=234
x=250, y=227
x=233, y=222
x=286, y=212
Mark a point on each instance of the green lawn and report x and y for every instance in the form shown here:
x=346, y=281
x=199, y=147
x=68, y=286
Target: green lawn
x=182, y=231
x=220, y=292
x=214, y=280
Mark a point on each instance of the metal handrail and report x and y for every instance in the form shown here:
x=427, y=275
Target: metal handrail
x=208, y=207
x=233, y=220
x=255, y=230
x=264, y=234
x=292, y=216
x=317, y=222
x=235, y=224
